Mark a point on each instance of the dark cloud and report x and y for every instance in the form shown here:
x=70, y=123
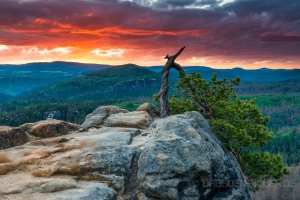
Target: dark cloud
x=169, y=4
x=280, y=37
x=241, y=28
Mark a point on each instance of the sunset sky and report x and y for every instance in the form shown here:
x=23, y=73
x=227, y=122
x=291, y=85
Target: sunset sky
x=216, y=33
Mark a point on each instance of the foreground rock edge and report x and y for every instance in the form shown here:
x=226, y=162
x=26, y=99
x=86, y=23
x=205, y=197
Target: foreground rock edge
x=166, y=158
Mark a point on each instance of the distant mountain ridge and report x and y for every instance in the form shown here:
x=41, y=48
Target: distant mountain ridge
x=18, y=79
x=74, y=98
x=60, y=64
x=22, y=79
x=263, y=75
x=129, y=81
x=119, y=82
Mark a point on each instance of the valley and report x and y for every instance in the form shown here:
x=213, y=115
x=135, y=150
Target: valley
x=19, y=79
x=72, y=92
x=76, y=91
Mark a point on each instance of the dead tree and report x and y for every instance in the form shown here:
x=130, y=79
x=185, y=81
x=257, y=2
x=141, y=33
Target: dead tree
x=163, y=93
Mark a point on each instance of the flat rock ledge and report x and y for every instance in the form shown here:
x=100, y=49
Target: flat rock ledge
x=120, y=155
x=15, y=136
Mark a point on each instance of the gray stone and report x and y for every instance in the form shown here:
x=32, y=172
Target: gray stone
x=149, y=108
x=133, y=131
x=183, y=161
x=136, y=119
x=97, y=117
x=107, y=160
x=142, y=196
x=88, y=191
x=54, y=186
x=129, y=157
x=109, y=153
x=118, y=182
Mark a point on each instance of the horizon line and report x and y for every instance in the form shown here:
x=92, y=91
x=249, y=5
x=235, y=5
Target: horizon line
x=62, y=61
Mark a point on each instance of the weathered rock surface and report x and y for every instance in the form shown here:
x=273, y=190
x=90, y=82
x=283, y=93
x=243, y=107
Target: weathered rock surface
x=97, y=116
x=149, y=108
x=10, y=137
x=136, y=119
x=49, y=128
x=127, y=158
x=93, y=163
x=182, y=161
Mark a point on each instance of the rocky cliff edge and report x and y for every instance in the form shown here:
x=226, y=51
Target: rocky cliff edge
x=118, y=155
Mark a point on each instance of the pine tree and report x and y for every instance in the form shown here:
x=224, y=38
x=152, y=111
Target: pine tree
x=238, y=123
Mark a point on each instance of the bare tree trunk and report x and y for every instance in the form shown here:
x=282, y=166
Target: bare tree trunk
x=163, y=93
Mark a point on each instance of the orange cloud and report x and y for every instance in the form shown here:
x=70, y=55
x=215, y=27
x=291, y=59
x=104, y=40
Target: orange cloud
x=116, y=32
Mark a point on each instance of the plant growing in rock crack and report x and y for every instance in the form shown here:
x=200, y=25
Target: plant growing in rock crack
x=238, y=123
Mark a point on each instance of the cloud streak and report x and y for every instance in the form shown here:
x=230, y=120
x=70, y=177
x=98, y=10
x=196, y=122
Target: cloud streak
x=108, y=52
x=217, y=33
x=3, y=47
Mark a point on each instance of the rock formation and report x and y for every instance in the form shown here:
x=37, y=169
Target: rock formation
x=122, y=155
x=10, y=137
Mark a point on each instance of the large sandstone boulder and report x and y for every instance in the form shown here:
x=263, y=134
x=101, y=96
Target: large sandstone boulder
x=49, y=128
x=128, y=157
x=182, y=161
x=136, y=119
x=96, y=118
x=10, y=137
x=90, y=165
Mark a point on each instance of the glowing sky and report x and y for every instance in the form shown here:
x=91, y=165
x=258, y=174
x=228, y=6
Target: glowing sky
x=216, y=33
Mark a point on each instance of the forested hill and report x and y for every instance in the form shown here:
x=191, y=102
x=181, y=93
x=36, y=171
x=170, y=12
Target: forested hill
x=119, y=82
x=5, y=97
x=18, y=79
x=263, y=75
x=21, y=79
x=130, y=85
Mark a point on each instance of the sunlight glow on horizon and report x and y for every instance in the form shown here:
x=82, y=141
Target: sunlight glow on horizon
x=118, y=56
x=225, y=34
